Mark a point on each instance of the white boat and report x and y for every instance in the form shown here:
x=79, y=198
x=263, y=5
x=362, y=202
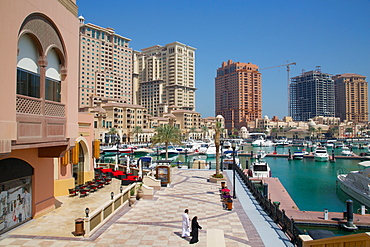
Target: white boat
x=330, y=145
x=203, y=148
x=356, y=183
x=259, y=169
x=170, y=151
x=143, y=151
x=192, y=146
x=298, y=155
x=346, y=151
x=260, y=154
x=282, y=142
x=339, y=145
x=260, y=142
x=211, y=150
x=114, y=150
x=321, y=154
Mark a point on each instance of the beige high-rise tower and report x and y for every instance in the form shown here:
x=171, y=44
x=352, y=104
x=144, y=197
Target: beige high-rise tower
x=238, y=93
x=351, y=97
x=105, y=65
x=165, y=76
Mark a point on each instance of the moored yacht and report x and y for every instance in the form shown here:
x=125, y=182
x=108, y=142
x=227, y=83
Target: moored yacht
x=298, y=155
x=346, y=151
x=259, y=142
x=171, y=152
x=259, y=169
x=321, y=154
x=211, y=150
x=356, y=183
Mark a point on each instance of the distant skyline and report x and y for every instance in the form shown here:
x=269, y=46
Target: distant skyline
x=333, y=34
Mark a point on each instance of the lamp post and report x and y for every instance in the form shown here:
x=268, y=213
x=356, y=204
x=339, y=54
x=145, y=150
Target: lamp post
x=233, y=146
x=87, y=211
x=222, y=156
x=112, y=195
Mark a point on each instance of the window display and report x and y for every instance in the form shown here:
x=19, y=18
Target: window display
x=15, y=202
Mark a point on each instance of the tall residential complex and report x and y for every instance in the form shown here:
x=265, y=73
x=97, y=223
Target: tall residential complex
x=238, y=93
x=165, y=76
x=311, y=95
x=351, y=97
x=105, y=65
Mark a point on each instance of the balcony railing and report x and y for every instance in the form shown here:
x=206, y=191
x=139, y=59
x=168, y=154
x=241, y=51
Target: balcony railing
x=29, y=105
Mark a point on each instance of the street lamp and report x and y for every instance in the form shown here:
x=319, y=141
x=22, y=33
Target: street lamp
x=87, y=211
x=233, y=146
x=222, y=156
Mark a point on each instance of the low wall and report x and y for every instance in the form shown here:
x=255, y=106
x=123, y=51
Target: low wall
x=360, y=239
x=97, y=218
x=152, y=182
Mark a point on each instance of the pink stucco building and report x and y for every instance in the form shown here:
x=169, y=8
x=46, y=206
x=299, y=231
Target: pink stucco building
x=39, y=118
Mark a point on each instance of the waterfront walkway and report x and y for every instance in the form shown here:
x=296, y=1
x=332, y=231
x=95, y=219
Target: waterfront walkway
x=157, y=222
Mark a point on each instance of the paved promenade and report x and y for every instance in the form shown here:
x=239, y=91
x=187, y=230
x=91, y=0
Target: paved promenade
x=157, y=222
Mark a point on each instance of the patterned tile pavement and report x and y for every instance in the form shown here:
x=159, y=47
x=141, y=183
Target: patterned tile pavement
x=157, y=222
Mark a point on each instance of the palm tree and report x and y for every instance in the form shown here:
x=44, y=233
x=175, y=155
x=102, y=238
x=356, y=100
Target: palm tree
x=137, y=130
x=192, y=130
x=319, y=130
x=218, y=131
x=312, y=130
x=204, y=130
x=113, y=132
x=166, y=134
x=274, y=132
x=235, y=131
x=334, y=131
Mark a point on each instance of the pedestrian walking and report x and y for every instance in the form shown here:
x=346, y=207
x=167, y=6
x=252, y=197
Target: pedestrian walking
x=194, y=230
x=185, y=224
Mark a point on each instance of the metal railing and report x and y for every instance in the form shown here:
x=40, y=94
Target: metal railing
x=272, y=209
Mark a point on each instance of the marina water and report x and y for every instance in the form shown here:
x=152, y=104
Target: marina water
x=311, y=184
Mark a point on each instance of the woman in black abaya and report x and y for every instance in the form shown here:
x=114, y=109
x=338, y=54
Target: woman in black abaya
x=194, y=230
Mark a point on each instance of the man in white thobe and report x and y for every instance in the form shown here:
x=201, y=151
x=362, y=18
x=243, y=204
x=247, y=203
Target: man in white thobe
x=185, y=224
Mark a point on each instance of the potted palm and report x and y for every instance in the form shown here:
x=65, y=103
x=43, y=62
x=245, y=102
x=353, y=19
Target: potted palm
x=132, y=199
x=140, y=192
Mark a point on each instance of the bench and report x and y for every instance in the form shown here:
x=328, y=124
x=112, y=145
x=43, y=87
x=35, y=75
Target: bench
x=215, y=238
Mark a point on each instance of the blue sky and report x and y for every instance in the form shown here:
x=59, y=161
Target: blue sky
x=333, y=34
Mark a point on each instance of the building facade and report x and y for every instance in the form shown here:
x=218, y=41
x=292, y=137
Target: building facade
x=38, y=104
x=238, y=93
x=311, y=95
x=165, y=76
x=351, y=97
x=105, y=65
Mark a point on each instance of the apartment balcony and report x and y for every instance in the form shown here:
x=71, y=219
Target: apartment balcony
x=40, y=123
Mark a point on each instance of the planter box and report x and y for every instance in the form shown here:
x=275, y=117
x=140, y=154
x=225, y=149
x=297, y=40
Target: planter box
x=217, y=180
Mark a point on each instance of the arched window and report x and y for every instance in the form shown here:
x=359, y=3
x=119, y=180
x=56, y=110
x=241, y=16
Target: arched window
x=28, y=74
x=52, y=80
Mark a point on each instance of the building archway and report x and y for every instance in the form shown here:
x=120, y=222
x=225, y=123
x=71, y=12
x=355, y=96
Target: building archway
x=79, y=170
x=15, y=192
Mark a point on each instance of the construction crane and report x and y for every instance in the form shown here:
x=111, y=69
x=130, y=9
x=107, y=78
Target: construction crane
x=288, y=79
